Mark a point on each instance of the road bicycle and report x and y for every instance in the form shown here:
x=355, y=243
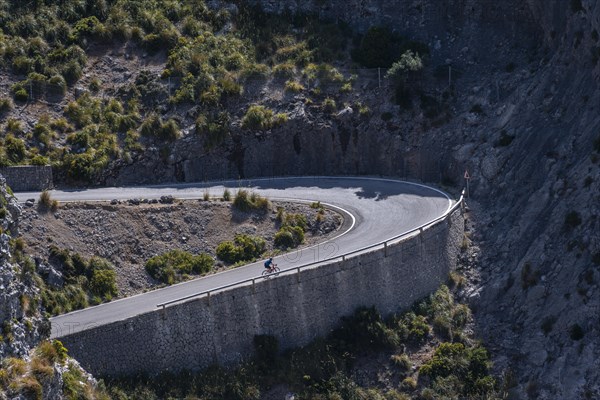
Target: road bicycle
x=274, y=270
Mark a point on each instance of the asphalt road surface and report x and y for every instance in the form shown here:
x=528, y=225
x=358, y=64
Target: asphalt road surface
x=374, y=210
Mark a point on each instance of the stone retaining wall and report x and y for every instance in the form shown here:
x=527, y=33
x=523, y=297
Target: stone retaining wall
x=295, y=308
x=28, y=177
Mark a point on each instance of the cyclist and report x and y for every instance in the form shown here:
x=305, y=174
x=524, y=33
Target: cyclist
x=269, y=264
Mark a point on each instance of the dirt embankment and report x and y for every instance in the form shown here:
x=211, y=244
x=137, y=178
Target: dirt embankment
x=129, y=235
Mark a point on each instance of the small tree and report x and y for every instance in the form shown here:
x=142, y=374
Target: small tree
x=409, y=62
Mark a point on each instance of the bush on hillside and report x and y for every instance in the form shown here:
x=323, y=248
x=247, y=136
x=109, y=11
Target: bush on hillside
x=85, y=281
x=243, y=248
x=172, y=266
x=248, y=202
x=261, y=118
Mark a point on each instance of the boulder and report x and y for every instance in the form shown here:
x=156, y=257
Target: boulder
x=168, y=199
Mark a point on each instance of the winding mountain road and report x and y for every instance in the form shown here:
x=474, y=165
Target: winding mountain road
x=374, y=210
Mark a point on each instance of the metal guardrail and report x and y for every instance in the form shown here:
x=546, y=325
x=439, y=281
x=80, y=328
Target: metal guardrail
x=342, y=257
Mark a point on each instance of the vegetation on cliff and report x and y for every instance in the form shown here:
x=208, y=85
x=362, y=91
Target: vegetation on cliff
x=427, y=353
x=204, y=61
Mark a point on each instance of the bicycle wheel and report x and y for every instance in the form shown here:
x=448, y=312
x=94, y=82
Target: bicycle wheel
x=265, y=274
x=276, y=271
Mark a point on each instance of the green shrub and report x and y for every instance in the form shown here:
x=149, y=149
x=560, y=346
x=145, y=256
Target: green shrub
x=291, y=232
x=412, y=327
x=243, y=248
x=255, y=71
x=409, y=62
x=316, y=205
x=171, y=266
x=246, y=202
x=228, y=252
x=409, y=383
x=92, y=280
x=229, y=88
x=295, y=220
x=363, y=109
x=21, y=95
x=346, y=87
x=87, y=28
x=72, y=71
x=324, y=73
x=77, y=386
x=103, y=283
x=152, y=42
x=289, y=237
x=258, y=118
x=22, y=65
x=95, y=85
x=285, y=70
x=293, y=86
x=154, y=127
x=214, y=128
x=280, y=119
x=169, y=130
x=329, y=105
x=226, y=195
x=67, y=299
x=51, y=352
x=469, y=366
x=15, y=148
x=5, y=105
x=402, y=361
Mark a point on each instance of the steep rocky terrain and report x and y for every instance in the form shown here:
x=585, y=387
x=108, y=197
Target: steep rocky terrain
x=30, y=366
x=22, y=325
x=128, y=235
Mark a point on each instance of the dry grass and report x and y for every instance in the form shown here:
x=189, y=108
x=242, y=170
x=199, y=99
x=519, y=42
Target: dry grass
x=46, y=203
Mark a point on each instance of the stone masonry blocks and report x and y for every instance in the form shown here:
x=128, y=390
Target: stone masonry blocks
x=28, y=177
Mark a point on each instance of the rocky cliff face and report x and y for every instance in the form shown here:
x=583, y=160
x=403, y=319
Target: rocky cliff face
x=29, y=369
x=521, y=114
x=539, y=217
x=22, y=325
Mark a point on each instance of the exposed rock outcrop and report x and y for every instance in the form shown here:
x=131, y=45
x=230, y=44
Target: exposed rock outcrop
x=20, y=317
